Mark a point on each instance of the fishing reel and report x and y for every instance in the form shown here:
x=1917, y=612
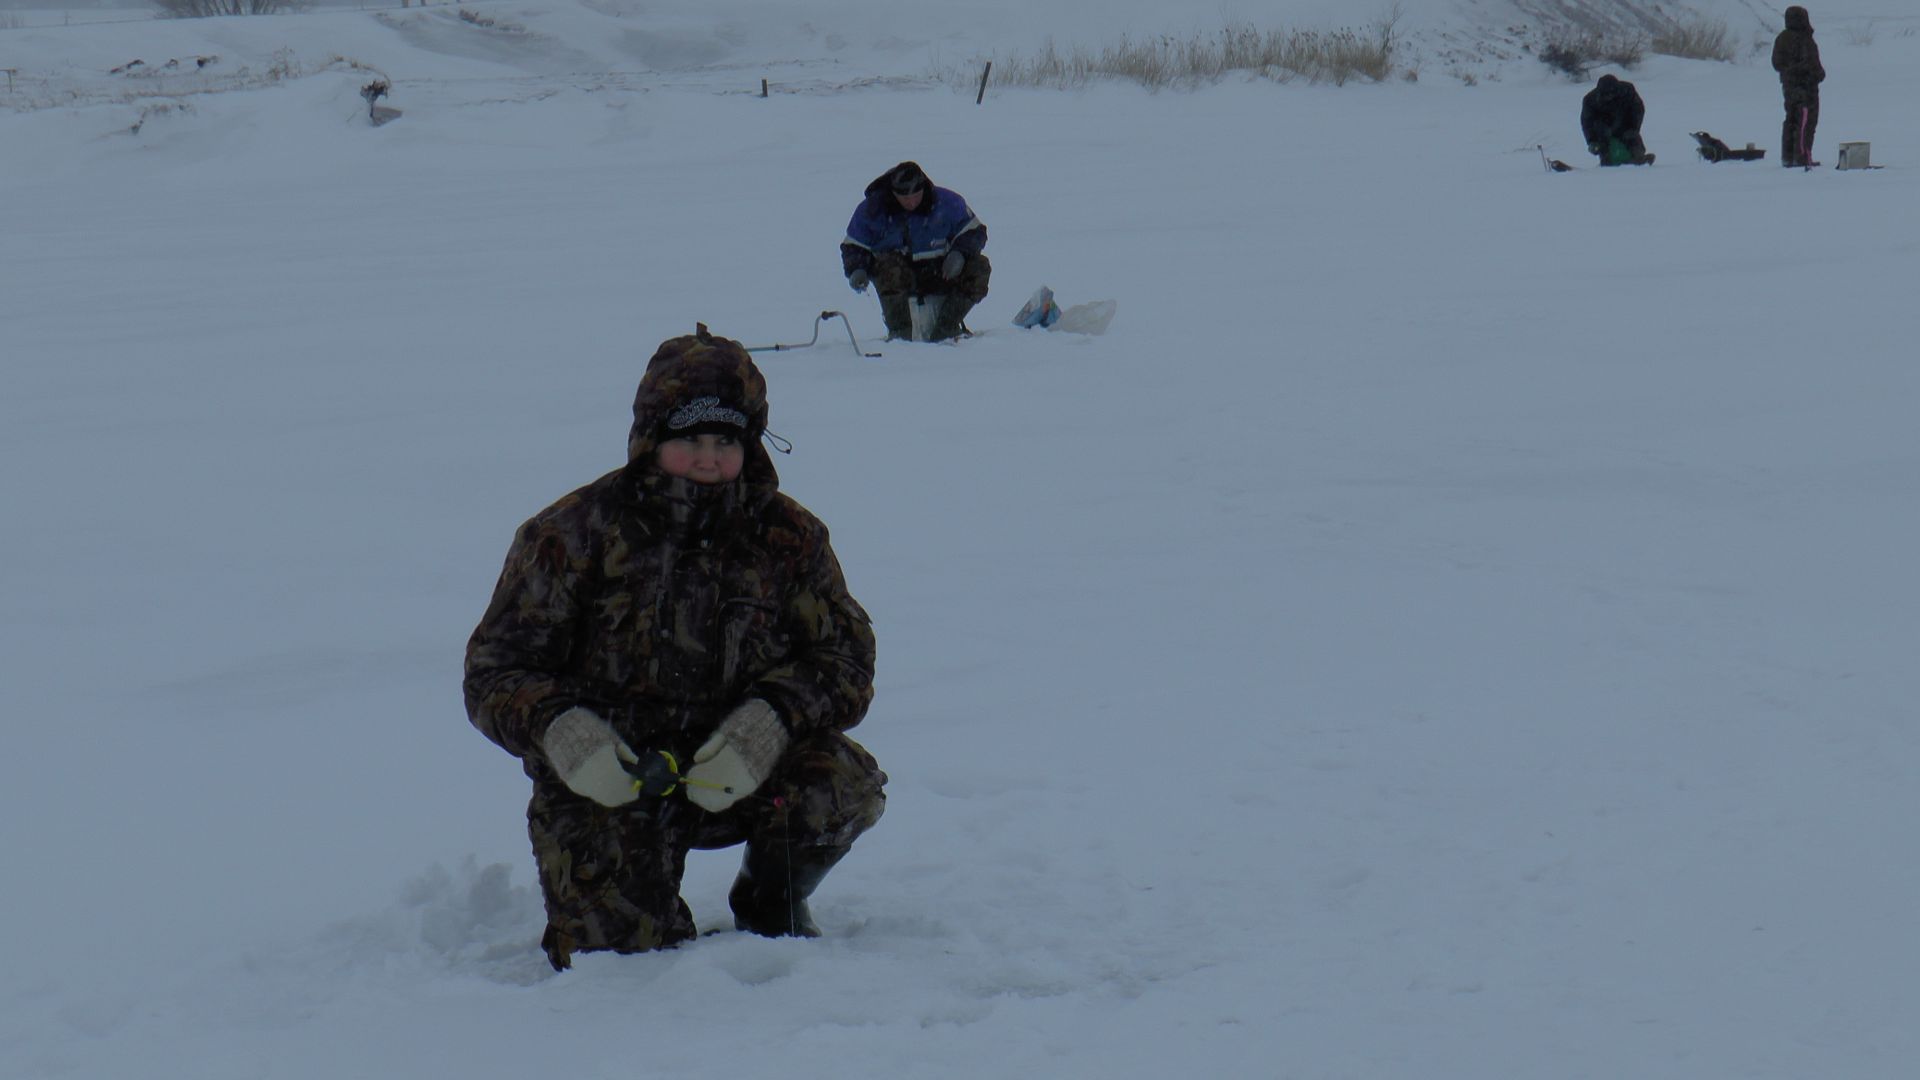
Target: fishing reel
x=656, y=775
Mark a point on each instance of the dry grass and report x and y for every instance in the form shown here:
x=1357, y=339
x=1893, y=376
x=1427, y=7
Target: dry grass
x=1860, y=36
x=1696, y=39
x=202, y=9
x=1573, y=52
x=1333, y=56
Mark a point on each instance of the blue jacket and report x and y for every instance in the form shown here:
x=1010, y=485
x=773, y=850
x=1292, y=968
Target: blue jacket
x=939, y=224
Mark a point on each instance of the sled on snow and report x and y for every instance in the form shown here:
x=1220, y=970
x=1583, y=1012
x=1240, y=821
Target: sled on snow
x=1712, y=149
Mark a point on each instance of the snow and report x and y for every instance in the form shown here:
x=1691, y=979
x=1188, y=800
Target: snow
x=1457, y=622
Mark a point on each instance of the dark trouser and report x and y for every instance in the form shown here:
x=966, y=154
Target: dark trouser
x=611, y=877
x=1796, y=132
x=898, y=279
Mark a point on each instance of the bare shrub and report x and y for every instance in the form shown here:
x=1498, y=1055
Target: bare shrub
x=1696, y=39
x=1319, y=56
x=486, y=22
x=1626, y=51
x=284, y=66
x=1572, y=52
x=1566, y=57
x=204, y=9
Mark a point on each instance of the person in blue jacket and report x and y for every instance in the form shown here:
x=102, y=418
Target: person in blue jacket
x=920, y=246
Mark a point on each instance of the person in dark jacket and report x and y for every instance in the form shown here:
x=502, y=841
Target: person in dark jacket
x=672, y=654
x=1797, y=58
x=920, y=246
x=1610, y=118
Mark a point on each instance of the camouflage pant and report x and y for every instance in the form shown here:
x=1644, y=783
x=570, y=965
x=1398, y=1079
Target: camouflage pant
x=1796, y=132
x=896, y=277
x=611, y=877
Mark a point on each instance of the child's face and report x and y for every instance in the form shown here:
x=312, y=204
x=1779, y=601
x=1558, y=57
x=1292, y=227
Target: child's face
x=703, y=459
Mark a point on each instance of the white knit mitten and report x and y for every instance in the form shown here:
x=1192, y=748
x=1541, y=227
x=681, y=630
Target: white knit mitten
x=587, y=754
x=738, y=758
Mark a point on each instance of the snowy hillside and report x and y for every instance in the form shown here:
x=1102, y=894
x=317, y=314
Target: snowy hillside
x=1456, y=623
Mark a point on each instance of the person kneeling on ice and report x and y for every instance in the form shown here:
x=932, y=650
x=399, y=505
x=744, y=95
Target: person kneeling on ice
x=674, y=656
x=921, y=247
x=1610, y=118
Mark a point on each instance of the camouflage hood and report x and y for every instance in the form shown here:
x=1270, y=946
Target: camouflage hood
x=698, y=376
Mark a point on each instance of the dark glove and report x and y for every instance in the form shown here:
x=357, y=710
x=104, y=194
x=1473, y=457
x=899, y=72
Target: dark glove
x=1593, y=148
x=858, y=279
x=951, y=266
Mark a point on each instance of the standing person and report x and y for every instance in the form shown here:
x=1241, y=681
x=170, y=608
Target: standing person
x=921, y=246
x=679, y=613
x=1796, y=56
x=1610, y=117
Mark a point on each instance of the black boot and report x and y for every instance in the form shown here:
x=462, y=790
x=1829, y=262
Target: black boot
x=769, y=897
x=951, y=322
x=899, y=318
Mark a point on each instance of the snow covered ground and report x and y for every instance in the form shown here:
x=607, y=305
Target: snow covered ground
x=1457, y=623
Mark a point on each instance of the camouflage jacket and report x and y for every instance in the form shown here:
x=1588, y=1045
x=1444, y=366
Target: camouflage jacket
x=1796, y=56
x=662, y=604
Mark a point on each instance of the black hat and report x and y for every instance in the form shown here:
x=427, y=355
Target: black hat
x=705, y=415
x=907, y=178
